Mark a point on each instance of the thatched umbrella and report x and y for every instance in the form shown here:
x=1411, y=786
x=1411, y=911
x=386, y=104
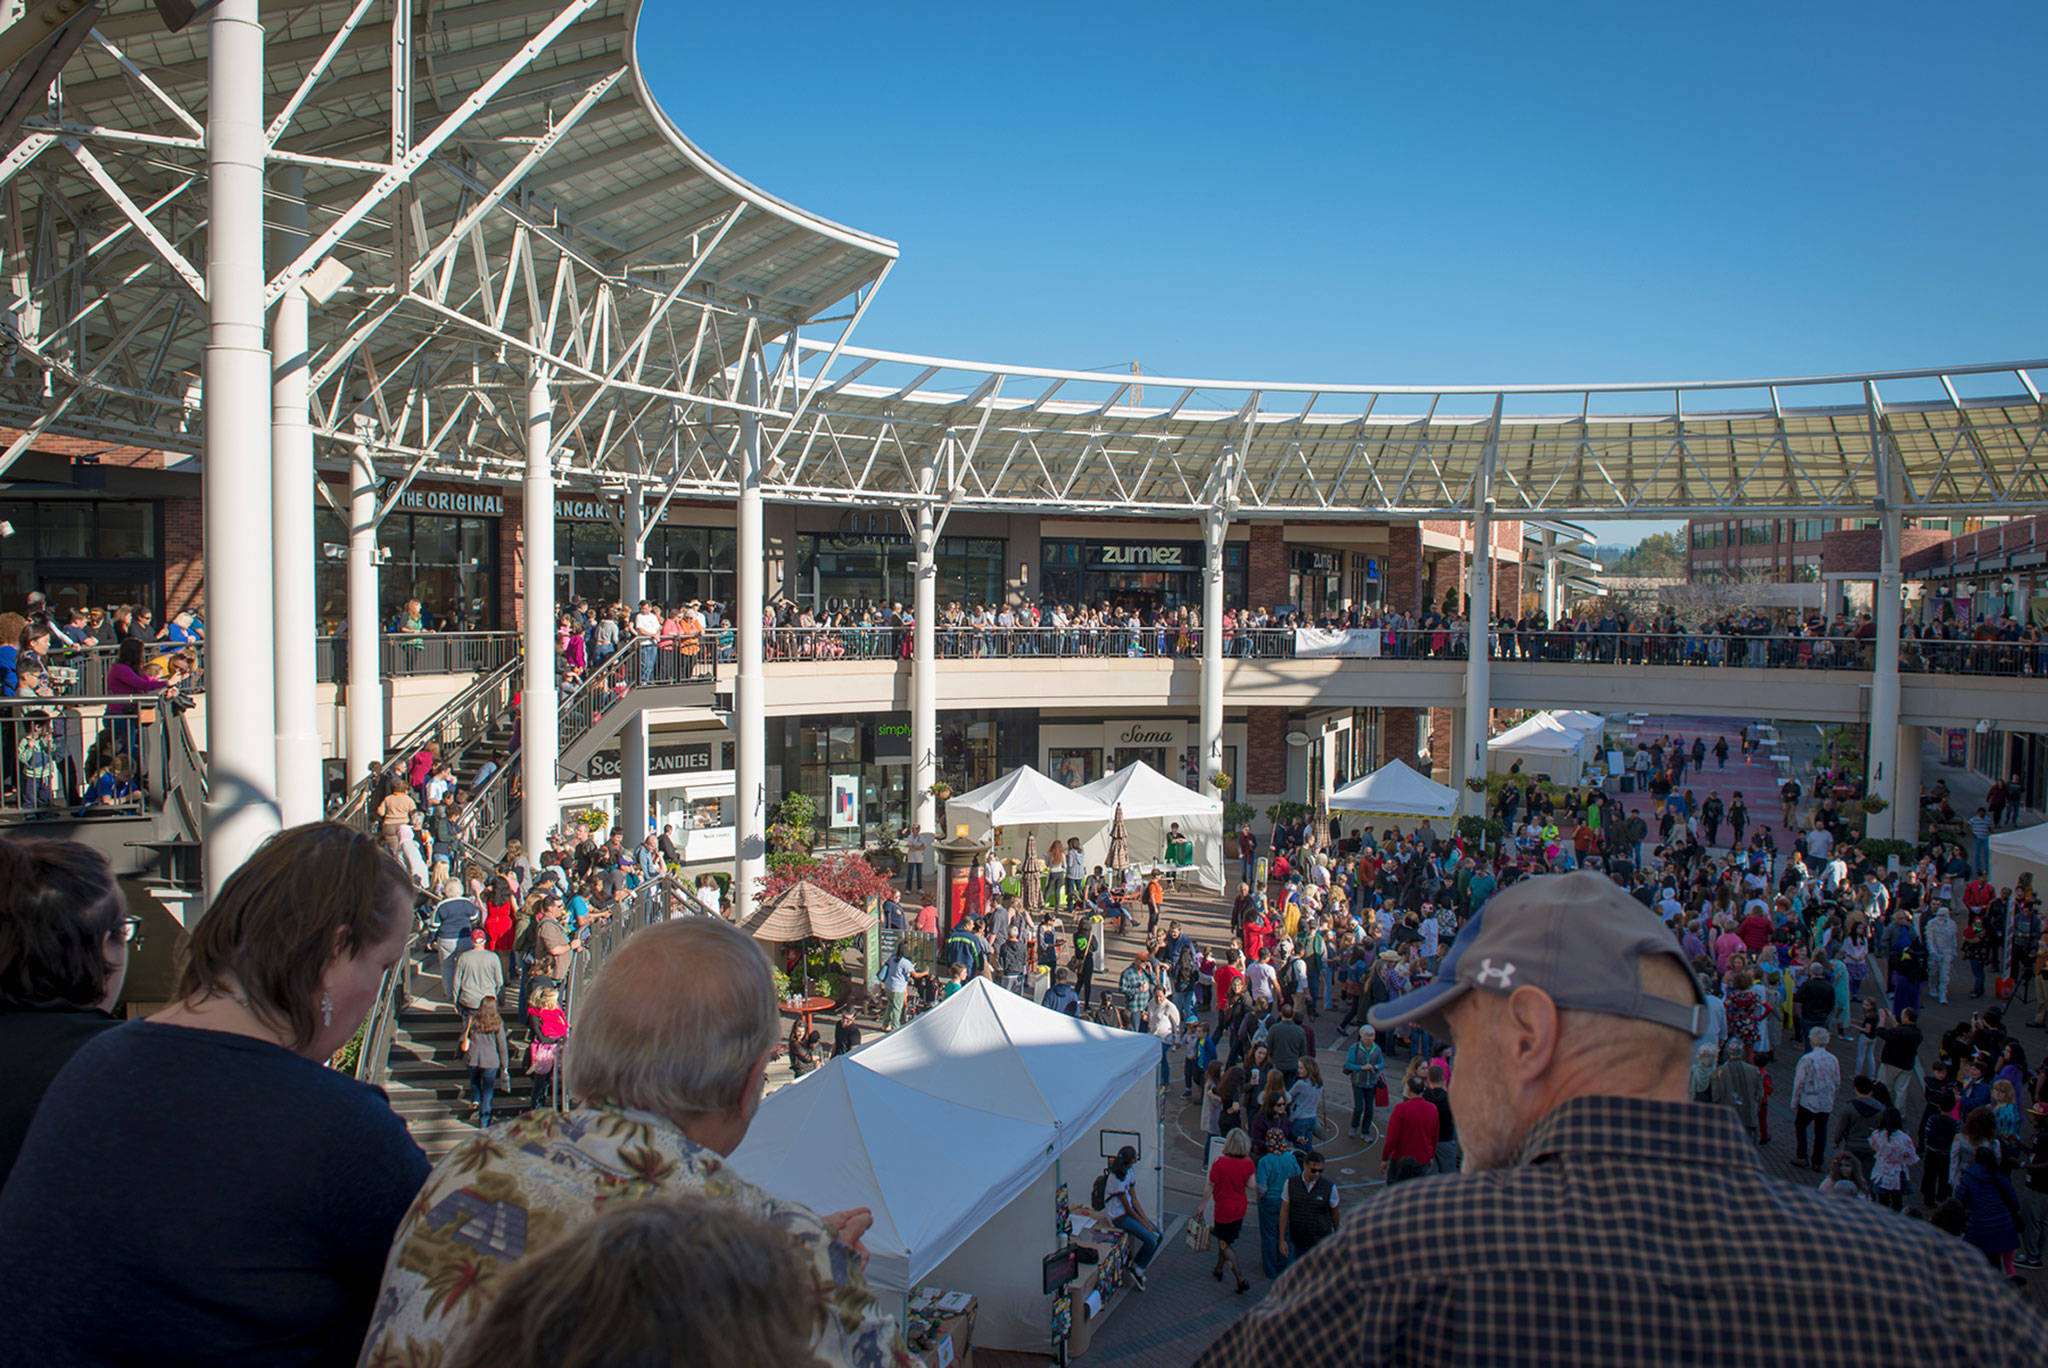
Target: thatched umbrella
x=1032, y=874
x=801, y=912
x=1319, y=825
x=1119, y=843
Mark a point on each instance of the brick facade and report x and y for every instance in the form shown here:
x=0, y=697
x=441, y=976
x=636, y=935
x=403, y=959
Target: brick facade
x=1447, y=578
x=1507, y=589
x=1440, y=740
x=1266, y=566
x=1404, y=575
x=1265, y=738
x=184, y=558
x=1397, y=735
x=512, y=564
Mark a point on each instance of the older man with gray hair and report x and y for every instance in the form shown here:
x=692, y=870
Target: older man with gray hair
x=664, y=1067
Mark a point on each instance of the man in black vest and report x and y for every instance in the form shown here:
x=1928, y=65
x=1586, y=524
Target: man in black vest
x=1308, y=1209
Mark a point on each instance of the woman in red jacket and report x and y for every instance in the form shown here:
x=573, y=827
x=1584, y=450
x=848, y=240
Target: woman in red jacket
x=1229, y=1177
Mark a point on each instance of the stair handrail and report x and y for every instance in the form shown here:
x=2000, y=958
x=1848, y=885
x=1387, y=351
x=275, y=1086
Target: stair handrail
x=373, y=1057
x=489, y=689
x=640, y=660
x=654, y=900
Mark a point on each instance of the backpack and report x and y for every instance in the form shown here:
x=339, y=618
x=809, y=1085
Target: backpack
x=1099, y=1193
x=1185, y=971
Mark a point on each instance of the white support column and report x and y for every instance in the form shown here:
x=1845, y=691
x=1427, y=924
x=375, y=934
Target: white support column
x=633, y=736
x=241, y=713
x=300, y=791
x=1905, y=808
x=365, y=681
x=1884, y=679
x=924, y=679
x=1553, y=602
x=1479, y=627
x=1215, y=527
x=1883, y=745
x=540, y=721
x=749, y=694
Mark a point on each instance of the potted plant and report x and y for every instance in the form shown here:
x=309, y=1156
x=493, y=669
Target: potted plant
x=886, y=855
x=1873, y=804
x=1476, y=784
x=1219, y=781
x=941, y=790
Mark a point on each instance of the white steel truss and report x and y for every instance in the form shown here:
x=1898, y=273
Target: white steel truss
x=489, y=188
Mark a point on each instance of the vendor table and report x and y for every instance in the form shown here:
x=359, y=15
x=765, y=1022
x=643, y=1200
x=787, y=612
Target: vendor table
x=1101, y=1280
x=944, y=1325
x=807, y=1009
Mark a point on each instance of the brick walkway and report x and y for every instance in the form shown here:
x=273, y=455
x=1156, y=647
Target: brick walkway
x=1183, y=1310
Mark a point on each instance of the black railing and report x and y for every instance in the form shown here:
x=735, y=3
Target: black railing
x=1705, y=649
x=402, y=655
x=112, y=755
x=460, y=723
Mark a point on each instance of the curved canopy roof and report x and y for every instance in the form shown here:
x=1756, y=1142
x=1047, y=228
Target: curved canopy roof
x=504, y=191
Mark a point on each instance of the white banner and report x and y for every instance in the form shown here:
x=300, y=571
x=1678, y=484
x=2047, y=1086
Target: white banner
x=1311, y=642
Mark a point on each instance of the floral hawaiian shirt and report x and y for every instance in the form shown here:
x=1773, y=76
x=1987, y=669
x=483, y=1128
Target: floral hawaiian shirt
x=519, y=1185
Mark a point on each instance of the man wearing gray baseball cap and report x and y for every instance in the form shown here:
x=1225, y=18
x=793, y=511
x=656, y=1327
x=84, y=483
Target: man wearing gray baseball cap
x=1598, y=1204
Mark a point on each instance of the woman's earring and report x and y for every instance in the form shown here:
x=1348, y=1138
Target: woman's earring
x=326, y=1010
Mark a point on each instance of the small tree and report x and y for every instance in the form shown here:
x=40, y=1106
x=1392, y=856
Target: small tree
x=846, y=874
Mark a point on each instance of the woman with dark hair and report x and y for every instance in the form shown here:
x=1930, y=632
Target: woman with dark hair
x=1121, y=1207
x=205, y=1171
x=64, y=938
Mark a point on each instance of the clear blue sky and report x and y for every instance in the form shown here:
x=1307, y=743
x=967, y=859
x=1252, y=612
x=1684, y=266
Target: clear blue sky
x=1409, y=193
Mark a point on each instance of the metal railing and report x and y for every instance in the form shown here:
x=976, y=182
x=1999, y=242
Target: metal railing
x=1786, y=651
x=402, y=655
x=454, y=727
x=81, y=671
x=92, y=756
x=373, y=1057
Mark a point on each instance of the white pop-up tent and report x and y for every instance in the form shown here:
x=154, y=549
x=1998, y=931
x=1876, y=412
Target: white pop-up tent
x=1544, y=746
x=1025, y=800
x=956, y=1132
x=1396, y=790
x=2022, y=851
x=1152, y=804
x=1579, y=720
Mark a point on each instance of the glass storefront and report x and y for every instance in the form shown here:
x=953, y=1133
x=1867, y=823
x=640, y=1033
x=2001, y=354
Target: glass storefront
x=1075, y=765
x=1315, y=581
x=683, y=563
x=1147, y=576
x=856, y=570
x=446, y=561
x=82, y=553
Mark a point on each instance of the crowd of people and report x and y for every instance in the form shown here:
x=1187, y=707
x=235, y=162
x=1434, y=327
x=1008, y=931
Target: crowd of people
x=1596, y=633
x=674, y=641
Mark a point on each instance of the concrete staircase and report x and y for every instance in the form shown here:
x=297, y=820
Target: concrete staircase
x=428, y=1083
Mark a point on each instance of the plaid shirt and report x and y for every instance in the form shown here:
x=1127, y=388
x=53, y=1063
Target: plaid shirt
x=1628, y=1231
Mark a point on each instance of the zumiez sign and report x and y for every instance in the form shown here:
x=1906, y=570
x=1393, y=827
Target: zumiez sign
x=1141, y=556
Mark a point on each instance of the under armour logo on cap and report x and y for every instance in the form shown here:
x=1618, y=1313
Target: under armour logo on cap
x=1491, y=977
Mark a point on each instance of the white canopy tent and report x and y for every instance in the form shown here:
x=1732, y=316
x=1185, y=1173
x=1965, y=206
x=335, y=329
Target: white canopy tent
x=1025, y=800
x=1152, y=804
x=956, y=1131
x=1544, y=746
x=1396, y=790
x=1580, y=720
x=2024, y=851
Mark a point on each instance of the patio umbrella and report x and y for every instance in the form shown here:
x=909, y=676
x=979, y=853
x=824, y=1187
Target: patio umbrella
x=801, y=912
x=1119, y=842
x=1319, y=825
x=1031, y=874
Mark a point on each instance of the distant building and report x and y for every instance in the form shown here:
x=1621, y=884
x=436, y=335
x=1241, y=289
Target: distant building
x=1799, y=550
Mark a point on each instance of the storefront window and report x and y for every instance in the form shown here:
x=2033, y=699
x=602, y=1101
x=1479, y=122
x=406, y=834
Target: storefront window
x=1075, y=765
x=448, y=563
x=1147, y=576
x=1366, y=582
x=1315, y=582
x=82, y=553
x=855, y=571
